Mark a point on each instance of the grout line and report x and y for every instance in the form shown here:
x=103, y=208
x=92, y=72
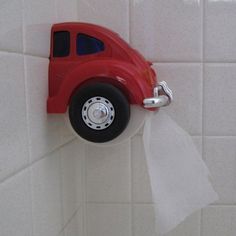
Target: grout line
x=23, y=31
x=203, y=90
x=201, y=222
x=27, y=111
x=56, y=9
x=28, y=150
x=222, y=205
x=22, y=53
x=194, y=62
x=152, y=203
x=115, y=203
x=27, y=122
x=26, y=98
x=204, y=136
x=69, y=221
x=61, y=192
x=84, y=190
x=192, y=135
x=203, y=69
x=177, y=62
x=131, y=188
x=219, y=136
x=110, y=203
x=34, y=55
x=129, y=21
x=32, y=200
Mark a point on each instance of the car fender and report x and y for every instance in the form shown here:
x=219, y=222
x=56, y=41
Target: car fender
x=123, y=73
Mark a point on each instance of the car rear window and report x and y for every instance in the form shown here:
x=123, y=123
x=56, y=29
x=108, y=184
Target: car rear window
x=61, y=44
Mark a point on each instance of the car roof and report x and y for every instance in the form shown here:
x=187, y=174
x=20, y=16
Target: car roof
x=107, y=33
x=83, y=25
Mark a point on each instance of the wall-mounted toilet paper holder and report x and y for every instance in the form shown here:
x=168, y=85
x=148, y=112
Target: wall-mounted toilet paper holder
x=97, y=75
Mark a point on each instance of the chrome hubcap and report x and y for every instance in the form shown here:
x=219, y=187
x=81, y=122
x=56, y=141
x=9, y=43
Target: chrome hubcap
x=98, y=113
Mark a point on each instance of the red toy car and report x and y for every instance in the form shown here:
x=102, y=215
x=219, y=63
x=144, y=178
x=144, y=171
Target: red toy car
x=98, y=75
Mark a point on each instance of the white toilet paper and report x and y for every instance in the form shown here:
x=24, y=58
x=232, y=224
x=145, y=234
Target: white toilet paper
x=178, y=175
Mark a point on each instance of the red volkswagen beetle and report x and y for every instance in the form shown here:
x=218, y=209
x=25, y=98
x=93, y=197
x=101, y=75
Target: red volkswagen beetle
x=97, y=75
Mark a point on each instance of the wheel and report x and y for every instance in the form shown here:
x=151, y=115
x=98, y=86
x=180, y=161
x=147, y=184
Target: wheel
x=99, y=112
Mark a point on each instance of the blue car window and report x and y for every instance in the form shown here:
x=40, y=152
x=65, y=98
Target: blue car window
x=88, y=45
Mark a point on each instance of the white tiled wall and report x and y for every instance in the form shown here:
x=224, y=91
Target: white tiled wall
x=41, y=174
x=53, y=185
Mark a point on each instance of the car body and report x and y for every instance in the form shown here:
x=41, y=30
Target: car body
x=96, y=76
x=115, y=63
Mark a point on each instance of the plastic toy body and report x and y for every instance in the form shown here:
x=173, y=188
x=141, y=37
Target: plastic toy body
x=85, y=54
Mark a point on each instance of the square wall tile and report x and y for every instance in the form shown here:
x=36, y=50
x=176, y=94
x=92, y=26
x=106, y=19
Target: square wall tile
x=38, y=18
x=67, y=10
x=15, y=206
x=11, y=21
x=218, y=221
x=144, y=223
x=108, y=173
x=220, y=34
x=72, y=159
x=75, y=226
x=141, y=186
x=220, y=156
x=46, y=196
x=167, y=30
x=185, y=80
x=109, y=13
x=45, y=129
x=107, y=220
x=13, y=125
x=219, y=99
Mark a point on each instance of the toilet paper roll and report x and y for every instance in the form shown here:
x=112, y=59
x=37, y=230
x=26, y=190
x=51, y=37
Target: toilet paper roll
x=178, y=175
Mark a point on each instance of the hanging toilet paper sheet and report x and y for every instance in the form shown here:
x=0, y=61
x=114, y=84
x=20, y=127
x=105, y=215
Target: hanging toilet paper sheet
x=178, y=175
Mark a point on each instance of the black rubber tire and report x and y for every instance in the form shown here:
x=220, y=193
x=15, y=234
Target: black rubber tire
x=119, y=102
